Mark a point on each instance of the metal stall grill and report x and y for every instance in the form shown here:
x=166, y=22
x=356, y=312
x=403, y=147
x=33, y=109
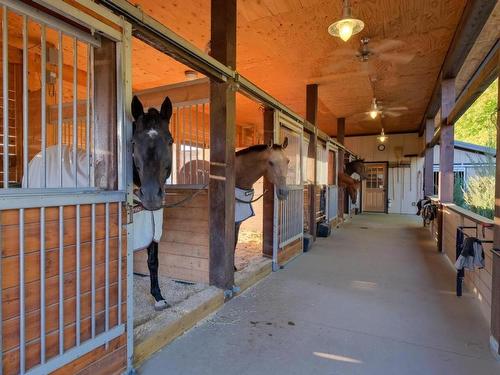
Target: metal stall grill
x=190, y=127
x=322, y=180
x=289, y=213
x=332, y=190
x=60, y=222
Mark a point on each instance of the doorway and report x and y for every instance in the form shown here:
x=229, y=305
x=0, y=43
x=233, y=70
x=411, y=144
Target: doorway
x=375, y=188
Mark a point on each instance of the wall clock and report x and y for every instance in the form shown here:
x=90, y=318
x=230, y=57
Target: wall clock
x=381, y=147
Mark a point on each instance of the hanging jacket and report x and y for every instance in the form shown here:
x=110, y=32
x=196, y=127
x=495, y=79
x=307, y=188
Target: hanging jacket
x=471, y=256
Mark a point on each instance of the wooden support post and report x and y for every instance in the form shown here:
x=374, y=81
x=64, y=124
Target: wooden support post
x=341, y=166
x=268, y=205
x=446, y=153
x=495, y=284
x=222, y=143
x=429, y=159
x=312, y=152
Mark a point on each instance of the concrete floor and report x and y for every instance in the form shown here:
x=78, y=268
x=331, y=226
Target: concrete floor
x=375, y=298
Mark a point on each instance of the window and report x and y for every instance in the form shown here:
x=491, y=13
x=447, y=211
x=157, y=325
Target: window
x=458, y=176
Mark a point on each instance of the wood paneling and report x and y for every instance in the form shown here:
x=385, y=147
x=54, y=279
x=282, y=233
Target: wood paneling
x=183, y=251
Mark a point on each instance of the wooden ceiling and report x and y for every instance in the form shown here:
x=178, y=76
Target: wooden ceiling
x=283, y=45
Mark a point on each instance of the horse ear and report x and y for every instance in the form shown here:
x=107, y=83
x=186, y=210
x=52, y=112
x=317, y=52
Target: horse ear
x=137, y=108
x=285, y=143
x=166, y=109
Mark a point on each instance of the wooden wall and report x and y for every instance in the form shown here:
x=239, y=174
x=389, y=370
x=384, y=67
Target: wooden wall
x=479, y=281
x=99, y=361
x=183, y=250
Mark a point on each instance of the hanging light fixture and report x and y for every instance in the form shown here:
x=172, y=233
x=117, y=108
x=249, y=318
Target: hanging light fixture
x=382, y=137
x=347, y=26
x=374, y=109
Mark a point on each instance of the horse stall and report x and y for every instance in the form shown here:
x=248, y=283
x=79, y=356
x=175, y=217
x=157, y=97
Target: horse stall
x=307, y=175
x=332, y=190
x=321, y=180
x=289, y=213
x=183, y=249
x=64, y=245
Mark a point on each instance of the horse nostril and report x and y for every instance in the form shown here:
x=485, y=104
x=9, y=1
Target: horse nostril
x=160, y=191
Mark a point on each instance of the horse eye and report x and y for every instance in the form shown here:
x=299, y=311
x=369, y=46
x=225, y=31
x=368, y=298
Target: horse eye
x=170, y=142
x=271, y=163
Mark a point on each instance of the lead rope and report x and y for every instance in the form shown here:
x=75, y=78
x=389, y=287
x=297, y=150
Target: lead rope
x=199, y=191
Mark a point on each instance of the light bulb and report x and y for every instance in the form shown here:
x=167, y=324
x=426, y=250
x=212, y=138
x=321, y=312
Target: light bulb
x=373, y=114
x=382, y=138
x=345, y=30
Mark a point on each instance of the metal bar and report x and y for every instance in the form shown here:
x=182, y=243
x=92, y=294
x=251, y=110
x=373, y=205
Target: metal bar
x=61, y=279
x=106, y=273
x=92, y=114
x=22, y=312
x=184, y=142
x=42, y=285
x=197, y=143
x=190, y=144
x=50, y=198
x=25, y=101
x=76, y=352
x=43, y=109
x=75, y=109
x=119, y=263
x=78, y=275
x=60, y=105
x=44, y=18
x=92, y=273
x=87, y=114
x=5, y=85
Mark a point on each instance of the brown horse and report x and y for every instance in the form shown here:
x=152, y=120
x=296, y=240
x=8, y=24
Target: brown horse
x=250, y=165
x=351, y=185
x=356, y=166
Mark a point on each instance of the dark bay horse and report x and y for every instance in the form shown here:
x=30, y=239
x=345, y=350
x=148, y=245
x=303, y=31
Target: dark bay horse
x=152, y=164
x=351, y=185
x=356, y=166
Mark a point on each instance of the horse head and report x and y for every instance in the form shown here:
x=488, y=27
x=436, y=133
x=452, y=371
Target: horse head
x=277, y=168
x=152, y=152
x=353, y=191
x=356, y=166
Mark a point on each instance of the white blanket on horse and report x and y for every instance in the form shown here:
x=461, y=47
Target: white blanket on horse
x=53, y=166
x=148, y=225
x=243, y=205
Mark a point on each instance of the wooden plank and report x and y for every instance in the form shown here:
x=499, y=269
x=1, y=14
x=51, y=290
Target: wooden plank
x=311, y=116
x=290, y=251
x=268, y=204
x=341, y=166
x=495, y=284
x=429, y=159
x=222, y=147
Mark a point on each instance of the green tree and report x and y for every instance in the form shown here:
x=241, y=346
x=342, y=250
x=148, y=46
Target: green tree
x=478, y=124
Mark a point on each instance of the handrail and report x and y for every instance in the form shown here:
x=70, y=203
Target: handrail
x=468, y=214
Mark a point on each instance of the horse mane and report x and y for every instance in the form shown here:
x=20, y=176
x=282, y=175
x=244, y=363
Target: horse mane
x=256, y=148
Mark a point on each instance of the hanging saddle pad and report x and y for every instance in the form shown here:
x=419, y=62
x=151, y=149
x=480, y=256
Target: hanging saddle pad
x=148, y=226
x=243, y=206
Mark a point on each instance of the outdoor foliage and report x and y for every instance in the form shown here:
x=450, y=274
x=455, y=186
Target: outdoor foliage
x=479, y=192
x=478, y=124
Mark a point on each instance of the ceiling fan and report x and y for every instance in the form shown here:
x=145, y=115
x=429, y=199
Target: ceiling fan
x=378, y=110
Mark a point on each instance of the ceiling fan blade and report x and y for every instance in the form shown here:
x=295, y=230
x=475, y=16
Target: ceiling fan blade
x=386, y=45
x=342, y=52
x=359, y=116
x=392, y=113
x=397, y=109
x=396, y=57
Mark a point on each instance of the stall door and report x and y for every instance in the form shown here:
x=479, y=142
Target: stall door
x=375, y=188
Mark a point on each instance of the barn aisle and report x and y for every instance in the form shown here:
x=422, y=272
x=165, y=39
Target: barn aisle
x=375, y=298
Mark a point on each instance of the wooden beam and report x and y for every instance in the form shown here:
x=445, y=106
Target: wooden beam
x=474, y=17
x=311, y=116
x=341, y=166
x=222, y=144
x=495, y=283
x=429, y=159
x=268, y=204
x=446, y=154
x=482, y=78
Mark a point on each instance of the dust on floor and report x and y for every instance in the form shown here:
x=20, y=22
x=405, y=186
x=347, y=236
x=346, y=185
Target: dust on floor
x=249, y=248
x=173, y=292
